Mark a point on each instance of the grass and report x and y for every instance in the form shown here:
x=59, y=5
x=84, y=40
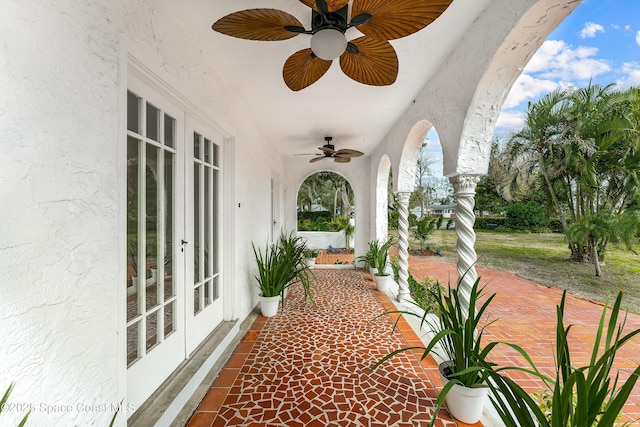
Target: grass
x=544, y=259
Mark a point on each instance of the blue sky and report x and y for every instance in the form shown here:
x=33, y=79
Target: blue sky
x=600, y=40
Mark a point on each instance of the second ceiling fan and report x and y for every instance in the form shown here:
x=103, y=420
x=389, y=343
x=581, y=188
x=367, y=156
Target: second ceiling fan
x=370, y=59
x=329, y=151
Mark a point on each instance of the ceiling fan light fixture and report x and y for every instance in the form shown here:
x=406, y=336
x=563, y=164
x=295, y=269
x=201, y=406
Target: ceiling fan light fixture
x=328, y=43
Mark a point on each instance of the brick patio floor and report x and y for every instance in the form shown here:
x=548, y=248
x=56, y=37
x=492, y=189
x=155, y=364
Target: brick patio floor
x=309, y=367
x=526, y=315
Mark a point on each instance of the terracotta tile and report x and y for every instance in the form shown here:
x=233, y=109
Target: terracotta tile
x=213, y=399
x=201, y=419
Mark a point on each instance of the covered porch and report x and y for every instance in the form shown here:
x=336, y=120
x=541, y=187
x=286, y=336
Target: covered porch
x=309, y=366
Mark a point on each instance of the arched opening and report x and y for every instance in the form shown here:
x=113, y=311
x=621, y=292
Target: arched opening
x=325, y=213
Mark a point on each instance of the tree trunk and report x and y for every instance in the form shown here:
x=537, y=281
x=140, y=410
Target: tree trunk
x=556, y=205
x=596, y=260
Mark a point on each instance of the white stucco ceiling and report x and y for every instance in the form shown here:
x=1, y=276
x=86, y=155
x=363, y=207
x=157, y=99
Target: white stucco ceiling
x=356, y=115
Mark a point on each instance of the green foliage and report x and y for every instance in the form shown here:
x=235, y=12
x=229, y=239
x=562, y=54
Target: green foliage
x=555, y=225
x=4, y=401
x=450, y=222
x=482, y=223
x=310, y=253
x=281, y=265
x=412, y=219
x=392, y=219
x=343, y=223
x=423, y=228
x=580, y=396
x=459, y=337
x=315, y=216
x=395, y=266
x=526, y=216
x=423, y=293
x=581, y=147
x=381, y=257
x=369, y=258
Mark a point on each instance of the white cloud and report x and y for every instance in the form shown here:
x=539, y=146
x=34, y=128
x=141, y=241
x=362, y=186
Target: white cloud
x=510, y=121
x=528, y=88
x=555, y=60
x=627, y=27
x=632, y=75
x=638, y=37
x=590, y=30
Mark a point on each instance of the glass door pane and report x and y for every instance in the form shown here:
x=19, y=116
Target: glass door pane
x=151, y=287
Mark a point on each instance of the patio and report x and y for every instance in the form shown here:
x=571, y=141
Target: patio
x=286, y=371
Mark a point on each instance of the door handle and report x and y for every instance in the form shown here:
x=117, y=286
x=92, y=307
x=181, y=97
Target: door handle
x=183, y=242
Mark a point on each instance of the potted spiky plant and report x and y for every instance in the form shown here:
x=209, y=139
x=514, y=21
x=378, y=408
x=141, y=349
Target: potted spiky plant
x=457, y=342
x=381, y=276
x=281, y=265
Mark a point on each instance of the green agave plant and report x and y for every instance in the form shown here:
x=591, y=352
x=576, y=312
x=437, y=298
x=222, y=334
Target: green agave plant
x=584, y=396
x=281, y=265
x=459, y=338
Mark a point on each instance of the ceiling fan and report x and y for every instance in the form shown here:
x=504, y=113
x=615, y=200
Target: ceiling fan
x=369, y=59
x=329, y=151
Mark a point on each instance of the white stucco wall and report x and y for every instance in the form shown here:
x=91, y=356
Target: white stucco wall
x=62, y=193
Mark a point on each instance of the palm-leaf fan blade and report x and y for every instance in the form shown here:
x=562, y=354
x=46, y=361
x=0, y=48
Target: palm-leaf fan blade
x=374, y=64
x=392, y=20
x=316, y=159
x=332, y=5
x=303, y=69
x=349, y=152
x=257, y=24
x=339, y=159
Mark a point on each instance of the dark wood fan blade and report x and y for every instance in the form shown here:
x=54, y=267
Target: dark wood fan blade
x=375, y=62
x=258, y=24
x=317, y=159
x=399, y=18
x=349, y=152
x=339, y=159
x=333, y=5
x=327, y=150
x=303, y=69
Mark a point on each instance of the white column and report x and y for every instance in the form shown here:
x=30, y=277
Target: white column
x=403, y=245
x=464, y=191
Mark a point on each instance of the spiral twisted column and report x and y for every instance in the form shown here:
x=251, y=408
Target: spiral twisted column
x=403, y=245
x=464, y=191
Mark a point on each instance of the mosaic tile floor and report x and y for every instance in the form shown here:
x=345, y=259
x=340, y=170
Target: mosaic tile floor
x=310, y=366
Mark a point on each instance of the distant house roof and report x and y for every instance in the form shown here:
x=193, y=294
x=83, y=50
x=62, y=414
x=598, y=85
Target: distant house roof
x=442, y=207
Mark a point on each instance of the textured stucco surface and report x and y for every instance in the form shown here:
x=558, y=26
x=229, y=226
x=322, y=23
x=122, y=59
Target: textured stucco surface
x=59, y=207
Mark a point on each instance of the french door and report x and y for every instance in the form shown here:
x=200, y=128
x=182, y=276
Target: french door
x=203, y=278
x=174, y=287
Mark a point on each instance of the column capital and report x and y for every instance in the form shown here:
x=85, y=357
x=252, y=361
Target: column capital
x=403, y=195
x=465, y=183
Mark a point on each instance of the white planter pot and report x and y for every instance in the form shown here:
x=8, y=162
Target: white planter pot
x=310, y=262
x=464, y=403
x=373, y=272
x=269, y=305
x=382, y=283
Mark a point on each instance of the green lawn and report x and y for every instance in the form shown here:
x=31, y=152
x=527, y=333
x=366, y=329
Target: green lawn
x=544, y=259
